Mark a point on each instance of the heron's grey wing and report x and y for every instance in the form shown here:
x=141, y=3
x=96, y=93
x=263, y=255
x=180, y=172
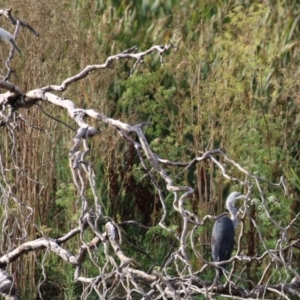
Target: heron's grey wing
x=226, y=249
x=227, y=241
x=222, y=240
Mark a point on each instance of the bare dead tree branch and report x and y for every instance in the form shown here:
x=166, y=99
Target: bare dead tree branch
x=120, y=275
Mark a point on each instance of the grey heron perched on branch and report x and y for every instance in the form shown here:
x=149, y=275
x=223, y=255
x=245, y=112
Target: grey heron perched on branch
x=222, y=239
x=8, y=37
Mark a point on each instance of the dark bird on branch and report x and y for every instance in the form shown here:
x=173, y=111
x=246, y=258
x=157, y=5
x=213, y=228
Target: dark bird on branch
x=222, y=240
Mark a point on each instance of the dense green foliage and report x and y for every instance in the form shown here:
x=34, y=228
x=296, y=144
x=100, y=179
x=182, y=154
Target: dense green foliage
x=233, y=83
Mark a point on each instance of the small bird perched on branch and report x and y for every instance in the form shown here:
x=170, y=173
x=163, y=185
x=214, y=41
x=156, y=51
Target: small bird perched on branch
x=8, y=37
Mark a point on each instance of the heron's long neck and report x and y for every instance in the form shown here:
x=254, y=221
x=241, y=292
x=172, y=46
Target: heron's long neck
x=235, y=220
x=233, y=215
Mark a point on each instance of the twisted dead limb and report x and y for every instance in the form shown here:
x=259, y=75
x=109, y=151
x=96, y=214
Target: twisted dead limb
x=177, y=277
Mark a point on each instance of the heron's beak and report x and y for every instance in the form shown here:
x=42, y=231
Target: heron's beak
x=241, y=197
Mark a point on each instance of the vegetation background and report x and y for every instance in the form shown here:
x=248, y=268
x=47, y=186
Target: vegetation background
x=233, y=84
